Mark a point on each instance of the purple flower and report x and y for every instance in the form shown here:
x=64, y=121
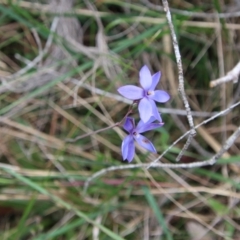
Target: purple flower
x=128, y=148
x=147, y=95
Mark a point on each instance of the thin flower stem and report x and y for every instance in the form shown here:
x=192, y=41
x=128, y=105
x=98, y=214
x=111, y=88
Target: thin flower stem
x=71, y=140
x=130, y=110
x=91, y=133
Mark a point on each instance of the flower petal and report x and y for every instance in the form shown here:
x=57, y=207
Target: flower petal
x=145, y=143
x=160, y=96
x=131, y=151
x=145, y=109
x=129, y=124
x=155, y=80
x=145, y=78
x=131, y=92
x=148, y=127
x=126, y=145
x=156, y=113
x=141, y=124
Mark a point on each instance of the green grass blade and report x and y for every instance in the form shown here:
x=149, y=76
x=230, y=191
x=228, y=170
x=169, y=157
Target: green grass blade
x=21, y=226
x=152, y=202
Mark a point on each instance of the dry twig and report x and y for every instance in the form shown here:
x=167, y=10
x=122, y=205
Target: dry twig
x=180, y=78
x=211, y=161
x=230, y=76
x=154, y=164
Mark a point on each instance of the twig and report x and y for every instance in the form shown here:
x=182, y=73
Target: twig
x=231, y=76
x=165, y=165
x=197, y=126
x=22, y=59
x=194, y=143
x=211, y=161
x=180, y=79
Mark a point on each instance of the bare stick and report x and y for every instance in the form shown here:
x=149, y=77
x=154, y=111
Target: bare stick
x=211, y=161
x=197, y=126
x=180, y=79
x=164, y=165
x=231, y=76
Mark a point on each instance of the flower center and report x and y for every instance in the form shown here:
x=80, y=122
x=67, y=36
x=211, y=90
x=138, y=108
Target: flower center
x=149, y=93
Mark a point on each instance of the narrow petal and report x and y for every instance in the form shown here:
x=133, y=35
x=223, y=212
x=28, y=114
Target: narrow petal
x=155, y=80
x=141, y=125
x=131, y=92
x=160, y=96
x=156, y=113
x=149, y=126
x=145, y=78
x=129, y=124
x=131, y=150
x=145, y=143
x=126, y=146
x=145, y=109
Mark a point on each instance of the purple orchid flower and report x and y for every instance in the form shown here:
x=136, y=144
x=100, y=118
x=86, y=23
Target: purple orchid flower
x=128, y=148
x=147, y=95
